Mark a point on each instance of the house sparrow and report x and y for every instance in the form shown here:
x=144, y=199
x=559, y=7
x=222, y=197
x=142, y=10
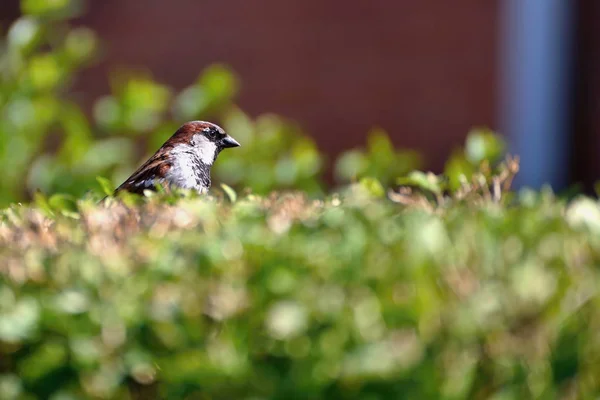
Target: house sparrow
x=183, y=161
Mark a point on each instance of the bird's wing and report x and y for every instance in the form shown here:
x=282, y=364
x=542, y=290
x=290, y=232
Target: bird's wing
x=151, y=173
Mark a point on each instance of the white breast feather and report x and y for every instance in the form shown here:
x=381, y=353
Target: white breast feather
x=181, y=172
x=205, y=149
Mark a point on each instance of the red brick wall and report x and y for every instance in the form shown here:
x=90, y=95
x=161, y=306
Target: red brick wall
x=9, y=10
x=422, y=69
x=425, y=70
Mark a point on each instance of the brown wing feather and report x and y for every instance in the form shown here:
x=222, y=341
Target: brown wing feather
x=148, y=175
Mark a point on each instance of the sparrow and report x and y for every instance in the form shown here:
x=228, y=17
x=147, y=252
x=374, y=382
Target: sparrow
x=183, y=161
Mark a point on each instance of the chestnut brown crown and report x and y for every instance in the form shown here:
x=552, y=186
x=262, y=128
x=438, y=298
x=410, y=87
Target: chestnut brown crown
x=213, y=132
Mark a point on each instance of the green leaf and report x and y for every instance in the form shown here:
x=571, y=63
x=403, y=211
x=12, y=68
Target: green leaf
x=24, y=34
x=426, y=181
x=48, y=357
x=41, y=201
x=231, y=194
x=457, y=168
x=64, y=204
x=21, y=321
x=373, y=186
x=81, y=44
x=484, y=144
x=219, y=83
x=106, y=185
x=350, y=165
x=45, y=71
x=48, y=7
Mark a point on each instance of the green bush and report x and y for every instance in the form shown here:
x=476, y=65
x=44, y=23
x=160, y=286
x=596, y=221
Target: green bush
x=279, y=297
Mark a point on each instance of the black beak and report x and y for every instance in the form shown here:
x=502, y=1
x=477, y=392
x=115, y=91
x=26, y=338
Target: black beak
x=228, y=141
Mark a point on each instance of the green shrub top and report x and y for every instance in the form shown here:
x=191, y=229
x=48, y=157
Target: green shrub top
x=284, y=297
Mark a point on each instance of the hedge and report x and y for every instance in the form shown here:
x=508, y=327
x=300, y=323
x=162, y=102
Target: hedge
x=285, y=297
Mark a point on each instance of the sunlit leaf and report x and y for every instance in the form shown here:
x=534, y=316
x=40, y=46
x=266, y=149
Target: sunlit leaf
x=427, y=181
x=373, y=186
x=106, y=185
x=483, y=144
x=231, y=194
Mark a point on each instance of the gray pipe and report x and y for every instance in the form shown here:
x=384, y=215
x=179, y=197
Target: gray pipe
x=535, y=87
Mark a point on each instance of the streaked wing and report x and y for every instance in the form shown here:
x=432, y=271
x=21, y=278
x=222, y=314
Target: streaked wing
x=152, y=172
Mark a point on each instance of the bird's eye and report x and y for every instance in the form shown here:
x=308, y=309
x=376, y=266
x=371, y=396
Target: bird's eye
x=210, y=133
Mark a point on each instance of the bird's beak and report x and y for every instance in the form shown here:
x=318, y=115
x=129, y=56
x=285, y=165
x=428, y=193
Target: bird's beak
x=228, y=141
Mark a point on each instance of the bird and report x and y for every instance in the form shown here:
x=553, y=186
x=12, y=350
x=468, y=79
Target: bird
x=183, y=161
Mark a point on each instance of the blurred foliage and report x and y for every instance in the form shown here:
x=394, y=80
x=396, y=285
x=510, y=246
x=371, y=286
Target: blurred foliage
x=52, y=145
x=402, y=285
x=350, y=297
x=44, y=136
x=482, y=147
x=472, y=175
x=379, y=159
x=274, y=154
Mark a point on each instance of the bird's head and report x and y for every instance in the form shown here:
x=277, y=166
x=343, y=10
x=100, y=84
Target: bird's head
x=206, y=138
